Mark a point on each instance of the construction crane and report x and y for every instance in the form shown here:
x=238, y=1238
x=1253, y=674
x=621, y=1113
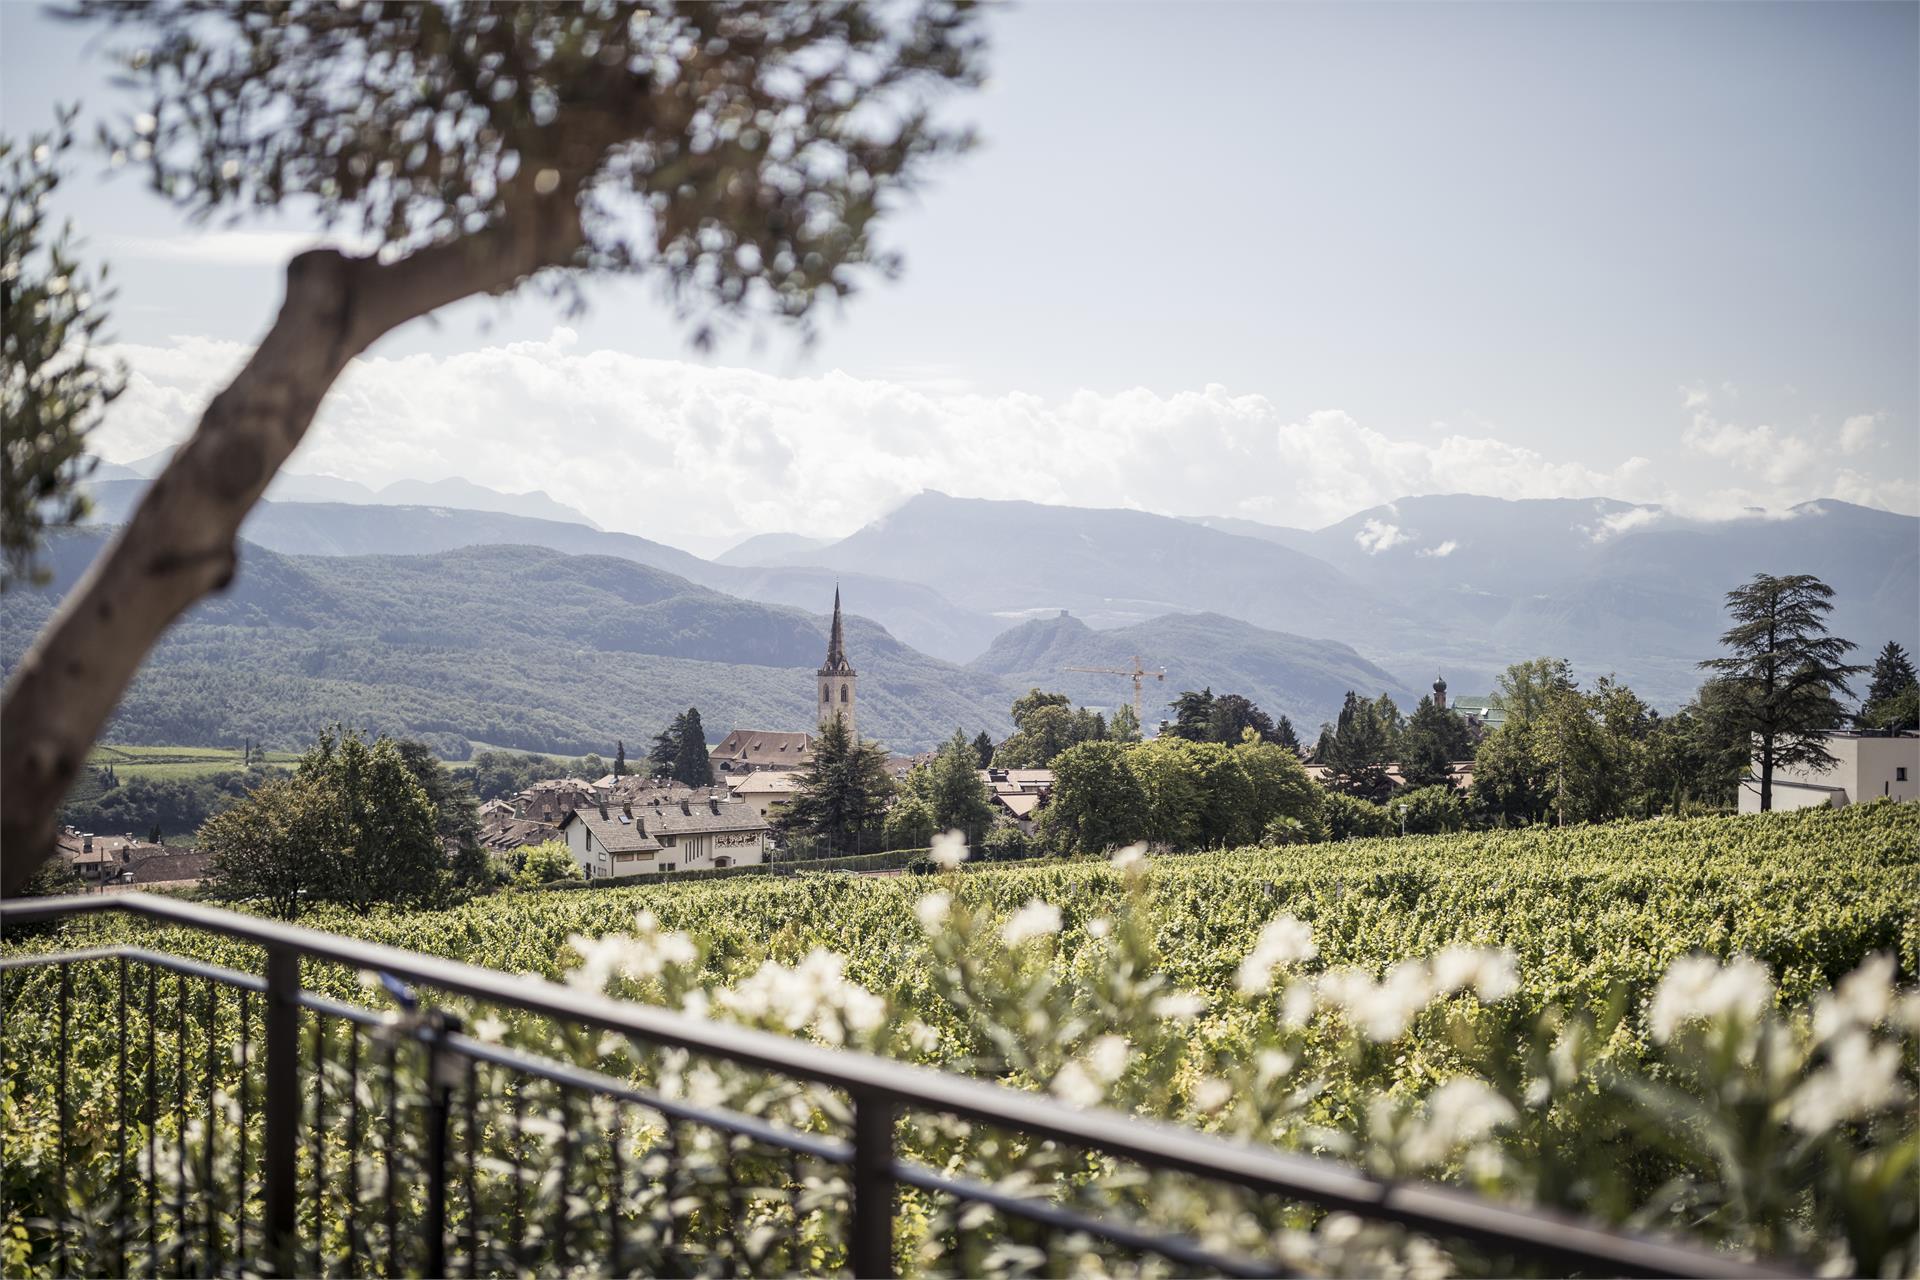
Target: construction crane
x=1138, y=674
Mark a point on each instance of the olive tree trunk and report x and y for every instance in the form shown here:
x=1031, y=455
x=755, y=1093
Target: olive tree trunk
x=180, y=543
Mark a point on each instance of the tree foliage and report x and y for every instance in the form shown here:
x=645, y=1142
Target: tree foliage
x=1786, y=672
x=53, y=381
x=352, y=825
x=1893, y=693
x=1357, y=748
x=842, y=792
x=1045, y=724
x=949, y=785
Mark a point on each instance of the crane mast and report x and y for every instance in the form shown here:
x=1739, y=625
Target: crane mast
x=1137, y=673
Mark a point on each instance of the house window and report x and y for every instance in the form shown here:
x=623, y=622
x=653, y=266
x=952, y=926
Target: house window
x=843, y=693
x=1900, y=773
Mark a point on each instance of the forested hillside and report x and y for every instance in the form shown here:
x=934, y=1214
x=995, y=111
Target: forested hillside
x=510, y=646
x=1303, y=678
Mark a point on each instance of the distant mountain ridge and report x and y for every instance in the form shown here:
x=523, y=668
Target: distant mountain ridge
x=1460, y=584
x=917, y=614
x=520, y=647
x=294, y=486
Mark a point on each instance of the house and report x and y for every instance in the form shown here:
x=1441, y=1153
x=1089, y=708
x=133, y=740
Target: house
x=551, y=800
x=766, y=788
x=750, y=750
x=1483, y=714
x=1018, y=793
x=504, y=834
x=1870, y=766
x=616, y=841
x=495, y=811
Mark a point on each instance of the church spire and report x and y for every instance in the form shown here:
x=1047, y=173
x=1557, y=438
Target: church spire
x=836, y=663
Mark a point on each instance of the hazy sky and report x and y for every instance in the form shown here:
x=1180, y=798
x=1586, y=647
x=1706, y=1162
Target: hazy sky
x=1279, y=261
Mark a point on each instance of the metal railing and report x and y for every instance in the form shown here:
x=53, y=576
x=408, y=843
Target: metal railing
x=429, y=1219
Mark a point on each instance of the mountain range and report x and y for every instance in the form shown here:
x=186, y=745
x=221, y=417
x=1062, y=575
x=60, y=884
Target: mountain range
x=1458, y=585
x=520, y=647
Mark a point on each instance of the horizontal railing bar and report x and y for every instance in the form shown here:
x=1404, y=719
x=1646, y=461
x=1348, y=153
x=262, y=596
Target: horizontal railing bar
x=1172, y=1248
x=564, y=1074
x=1438, y=1211
x=579, y=1078
x=158, y=959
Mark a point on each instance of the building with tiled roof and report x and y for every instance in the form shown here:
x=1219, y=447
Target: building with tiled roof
x=747, y=750
x=615, y=841
x=765, y=788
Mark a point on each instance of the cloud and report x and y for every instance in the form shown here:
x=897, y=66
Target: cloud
x=678, y=450
x=1376, y=536
x=1440, y=552
x=1856, y=433
x=1615, y=523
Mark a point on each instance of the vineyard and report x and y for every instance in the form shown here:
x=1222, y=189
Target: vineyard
x=1518, y=1011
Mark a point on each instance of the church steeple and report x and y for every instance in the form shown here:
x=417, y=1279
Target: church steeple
x=836, y=663
x=837, y=678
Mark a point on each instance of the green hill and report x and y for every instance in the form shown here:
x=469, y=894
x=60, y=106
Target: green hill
x=518, y=647
x=1304, y=678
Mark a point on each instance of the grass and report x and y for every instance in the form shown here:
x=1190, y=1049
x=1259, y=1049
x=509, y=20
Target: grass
x=180, y=763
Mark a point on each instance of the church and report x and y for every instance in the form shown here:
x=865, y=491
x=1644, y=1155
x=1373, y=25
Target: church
x=837, y=686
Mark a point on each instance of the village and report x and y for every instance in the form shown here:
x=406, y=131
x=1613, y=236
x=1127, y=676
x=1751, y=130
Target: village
x=627, y=824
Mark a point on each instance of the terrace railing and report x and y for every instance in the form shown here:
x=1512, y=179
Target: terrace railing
x=285, y=1131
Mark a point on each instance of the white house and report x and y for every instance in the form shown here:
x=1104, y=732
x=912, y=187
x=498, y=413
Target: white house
x=615, y=841
x=765, y=789
x=1870, y=767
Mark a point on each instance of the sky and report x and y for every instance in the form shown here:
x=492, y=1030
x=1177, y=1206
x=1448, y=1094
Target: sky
x=1283, y=262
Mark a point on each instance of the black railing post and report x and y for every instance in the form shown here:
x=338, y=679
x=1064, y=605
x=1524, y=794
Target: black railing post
x=442, y=1069
x=282, y=1107
x=870, y=1243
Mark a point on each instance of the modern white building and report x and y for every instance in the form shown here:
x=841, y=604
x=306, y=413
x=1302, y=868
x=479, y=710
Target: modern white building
x=1870, y=767
x=616, y=841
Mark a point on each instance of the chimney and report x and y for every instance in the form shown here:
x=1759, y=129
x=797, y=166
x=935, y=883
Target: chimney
x=640, y=826
x=627, y=809
x=686, y=809
x=713, y=801
x=603, y=813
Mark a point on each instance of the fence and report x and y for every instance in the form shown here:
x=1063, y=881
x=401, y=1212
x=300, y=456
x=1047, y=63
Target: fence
x=209, y=1119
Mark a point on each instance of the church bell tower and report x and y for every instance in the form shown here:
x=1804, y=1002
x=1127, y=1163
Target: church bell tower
x=837, y=678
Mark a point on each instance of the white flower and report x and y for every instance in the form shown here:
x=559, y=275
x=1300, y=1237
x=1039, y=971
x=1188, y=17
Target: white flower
x=1699, y=988
x=1285, y=940
x=1107, y=1058
x=933, y=911
x=489, y=1029
x=1382, y=1011
x=813, y=994
x=1490, y=972
x=1131, y=861
x=145, y=123
x=1180, y=1006
x=1075, y=1084
x=1864, y=998
x=1297, y=1004
x=949, y=849
x=1211, y=1094
x=1860, y=1078
x=1099, y=927
x=1035, y=920
x=1461, y=1111
x=1270, y=1064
